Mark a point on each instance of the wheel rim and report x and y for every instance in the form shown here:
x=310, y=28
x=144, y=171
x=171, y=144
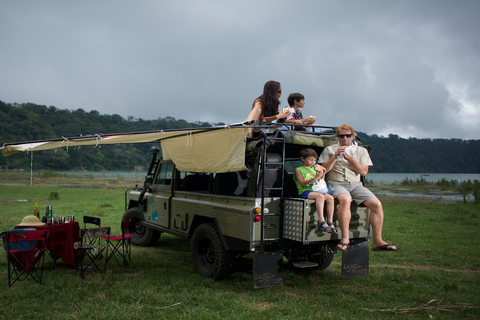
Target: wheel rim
x=206, y=252
x=137, y=227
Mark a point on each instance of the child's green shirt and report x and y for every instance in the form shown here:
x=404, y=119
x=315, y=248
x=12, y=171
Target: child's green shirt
x=307, y=173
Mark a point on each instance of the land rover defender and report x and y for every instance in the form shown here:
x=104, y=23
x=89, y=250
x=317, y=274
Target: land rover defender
x=243, y=203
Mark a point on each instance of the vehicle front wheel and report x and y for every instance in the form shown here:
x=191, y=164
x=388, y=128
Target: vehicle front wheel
x=209, y=256
x=141, y=235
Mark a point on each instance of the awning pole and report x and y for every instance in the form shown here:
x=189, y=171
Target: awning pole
x=31, y=168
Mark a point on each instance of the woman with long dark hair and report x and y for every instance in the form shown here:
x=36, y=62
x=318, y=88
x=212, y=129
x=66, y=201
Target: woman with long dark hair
x=265, y=107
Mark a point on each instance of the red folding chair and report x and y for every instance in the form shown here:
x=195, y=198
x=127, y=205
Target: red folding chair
x=25, y=250
x=121, y=245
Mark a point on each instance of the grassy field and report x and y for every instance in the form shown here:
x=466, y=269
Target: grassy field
x=435, y=275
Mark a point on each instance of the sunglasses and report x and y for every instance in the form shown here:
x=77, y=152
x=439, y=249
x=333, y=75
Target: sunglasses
x=341, y=136
x=279, y=91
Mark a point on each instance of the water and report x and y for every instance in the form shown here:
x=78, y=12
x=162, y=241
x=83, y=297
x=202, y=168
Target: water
x=390, y=178
x=108, y=174
x=449, y=197
x=377, y=178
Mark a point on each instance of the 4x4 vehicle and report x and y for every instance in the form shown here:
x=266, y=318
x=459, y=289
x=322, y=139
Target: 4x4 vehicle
x=234, y=196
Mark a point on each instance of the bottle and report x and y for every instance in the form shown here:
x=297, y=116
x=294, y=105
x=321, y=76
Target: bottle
x=36, y=212
x=48, y=213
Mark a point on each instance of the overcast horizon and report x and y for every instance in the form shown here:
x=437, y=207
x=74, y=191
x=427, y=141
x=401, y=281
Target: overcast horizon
x=409, y=68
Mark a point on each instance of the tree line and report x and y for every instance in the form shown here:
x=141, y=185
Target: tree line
x=29, y=122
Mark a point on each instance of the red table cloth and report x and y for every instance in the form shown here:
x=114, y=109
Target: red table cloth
x=61, y=239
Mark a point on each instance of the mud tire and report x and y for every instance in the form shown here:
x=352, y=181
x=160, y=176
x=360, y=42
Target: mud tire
x=141, y=235
x=209, y=256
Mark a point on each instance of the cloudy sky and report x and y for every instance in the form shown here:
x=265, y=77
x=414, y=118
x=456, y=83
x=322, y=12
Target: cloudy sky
x=409, y=67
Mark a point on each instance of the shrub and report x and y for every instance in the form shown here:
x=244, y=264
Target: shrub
x=464, y=188
x=54, y=195
x=476, y=191
x=106, y=205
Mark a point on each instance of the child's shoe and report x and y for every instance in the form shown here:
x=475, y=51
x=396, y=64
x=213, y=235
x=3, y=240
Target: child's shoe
x=320, y=225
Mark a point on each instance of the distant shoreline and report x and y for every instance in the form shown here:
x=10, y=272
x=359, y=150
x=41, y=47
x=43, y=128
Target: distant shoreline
x=377, y=178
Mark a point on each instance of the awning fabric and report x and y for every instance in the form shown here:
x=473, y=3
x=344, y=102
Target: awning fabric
x=210, y=151
x=196, y=150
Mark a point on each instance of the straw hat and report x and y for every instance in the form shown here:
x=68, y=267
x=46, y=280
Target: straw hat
x=30, y=221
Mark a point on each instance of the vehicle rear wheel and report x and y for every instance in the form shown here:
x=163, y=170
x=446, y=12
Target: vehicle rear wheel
x=316, y=259
x=141, y=235
x=324, y=259
x=209, y=256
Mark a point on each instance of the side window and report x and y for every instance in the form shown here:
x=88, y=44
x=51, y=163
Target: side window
x=292, y=164
x=191, y=181
x=231, y=183
x=164, y=174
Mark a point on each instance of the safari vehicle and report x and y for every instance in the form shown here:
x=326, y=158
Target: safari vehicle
x=233, y=196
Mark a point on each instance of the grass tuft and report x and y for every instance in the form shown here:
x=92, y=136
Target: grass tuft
x=54, y=195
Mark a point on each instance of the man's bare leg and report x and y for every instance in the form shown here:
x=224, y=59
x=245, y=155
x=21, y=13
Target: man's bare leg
x=344, y=216
x=376, y=220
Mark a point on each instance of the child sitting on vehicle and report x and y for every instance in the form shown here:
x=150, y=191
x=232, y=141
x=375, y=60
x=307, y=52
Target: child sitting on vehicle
x=296, y=102
x=310, y=182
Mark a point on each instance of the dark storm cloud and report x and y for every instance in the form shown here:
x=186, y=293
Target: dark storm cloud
x=404, y=67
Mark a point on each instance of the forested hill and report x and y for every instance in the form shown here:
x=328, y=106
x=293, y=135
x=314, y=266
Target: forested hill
x=26, y=122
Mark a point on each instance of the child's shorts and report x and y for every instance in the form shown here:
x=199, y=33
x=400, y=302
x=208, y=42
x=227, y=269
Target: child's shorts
x=305, y=194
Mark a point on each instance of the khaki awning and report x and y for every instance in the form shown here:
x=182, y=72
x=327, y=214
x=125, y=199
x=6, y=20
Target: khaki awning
x=217, y=149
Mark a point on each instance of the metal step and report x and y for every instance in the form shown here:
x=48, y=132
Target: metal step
x=271, y=239
x=304, y=264
x=274, y=189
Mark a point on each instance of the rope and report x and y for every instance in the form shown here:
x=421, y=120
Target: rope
x=189, y=139
x=64, y=140
x=96, y=137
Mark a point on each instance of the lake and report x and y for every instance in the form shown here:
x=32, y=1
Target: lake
x=107, y=174
x=389, y=178
x=378, y=178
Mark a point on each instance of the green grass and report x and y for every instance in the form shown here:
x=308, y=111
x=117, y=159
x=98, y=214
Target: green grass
x=438, y=259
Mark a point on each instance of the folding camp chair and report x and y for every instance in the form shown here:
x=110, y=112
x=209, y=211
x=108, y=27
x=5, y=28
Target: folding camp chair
x=121, y=245
x=95, y=221
x=90, y=253
x=25, y=250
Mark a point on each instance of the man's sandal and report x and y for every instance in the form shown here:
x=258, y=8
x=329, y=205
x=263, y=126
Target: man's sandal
x=385, y=247
x=343, y=246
